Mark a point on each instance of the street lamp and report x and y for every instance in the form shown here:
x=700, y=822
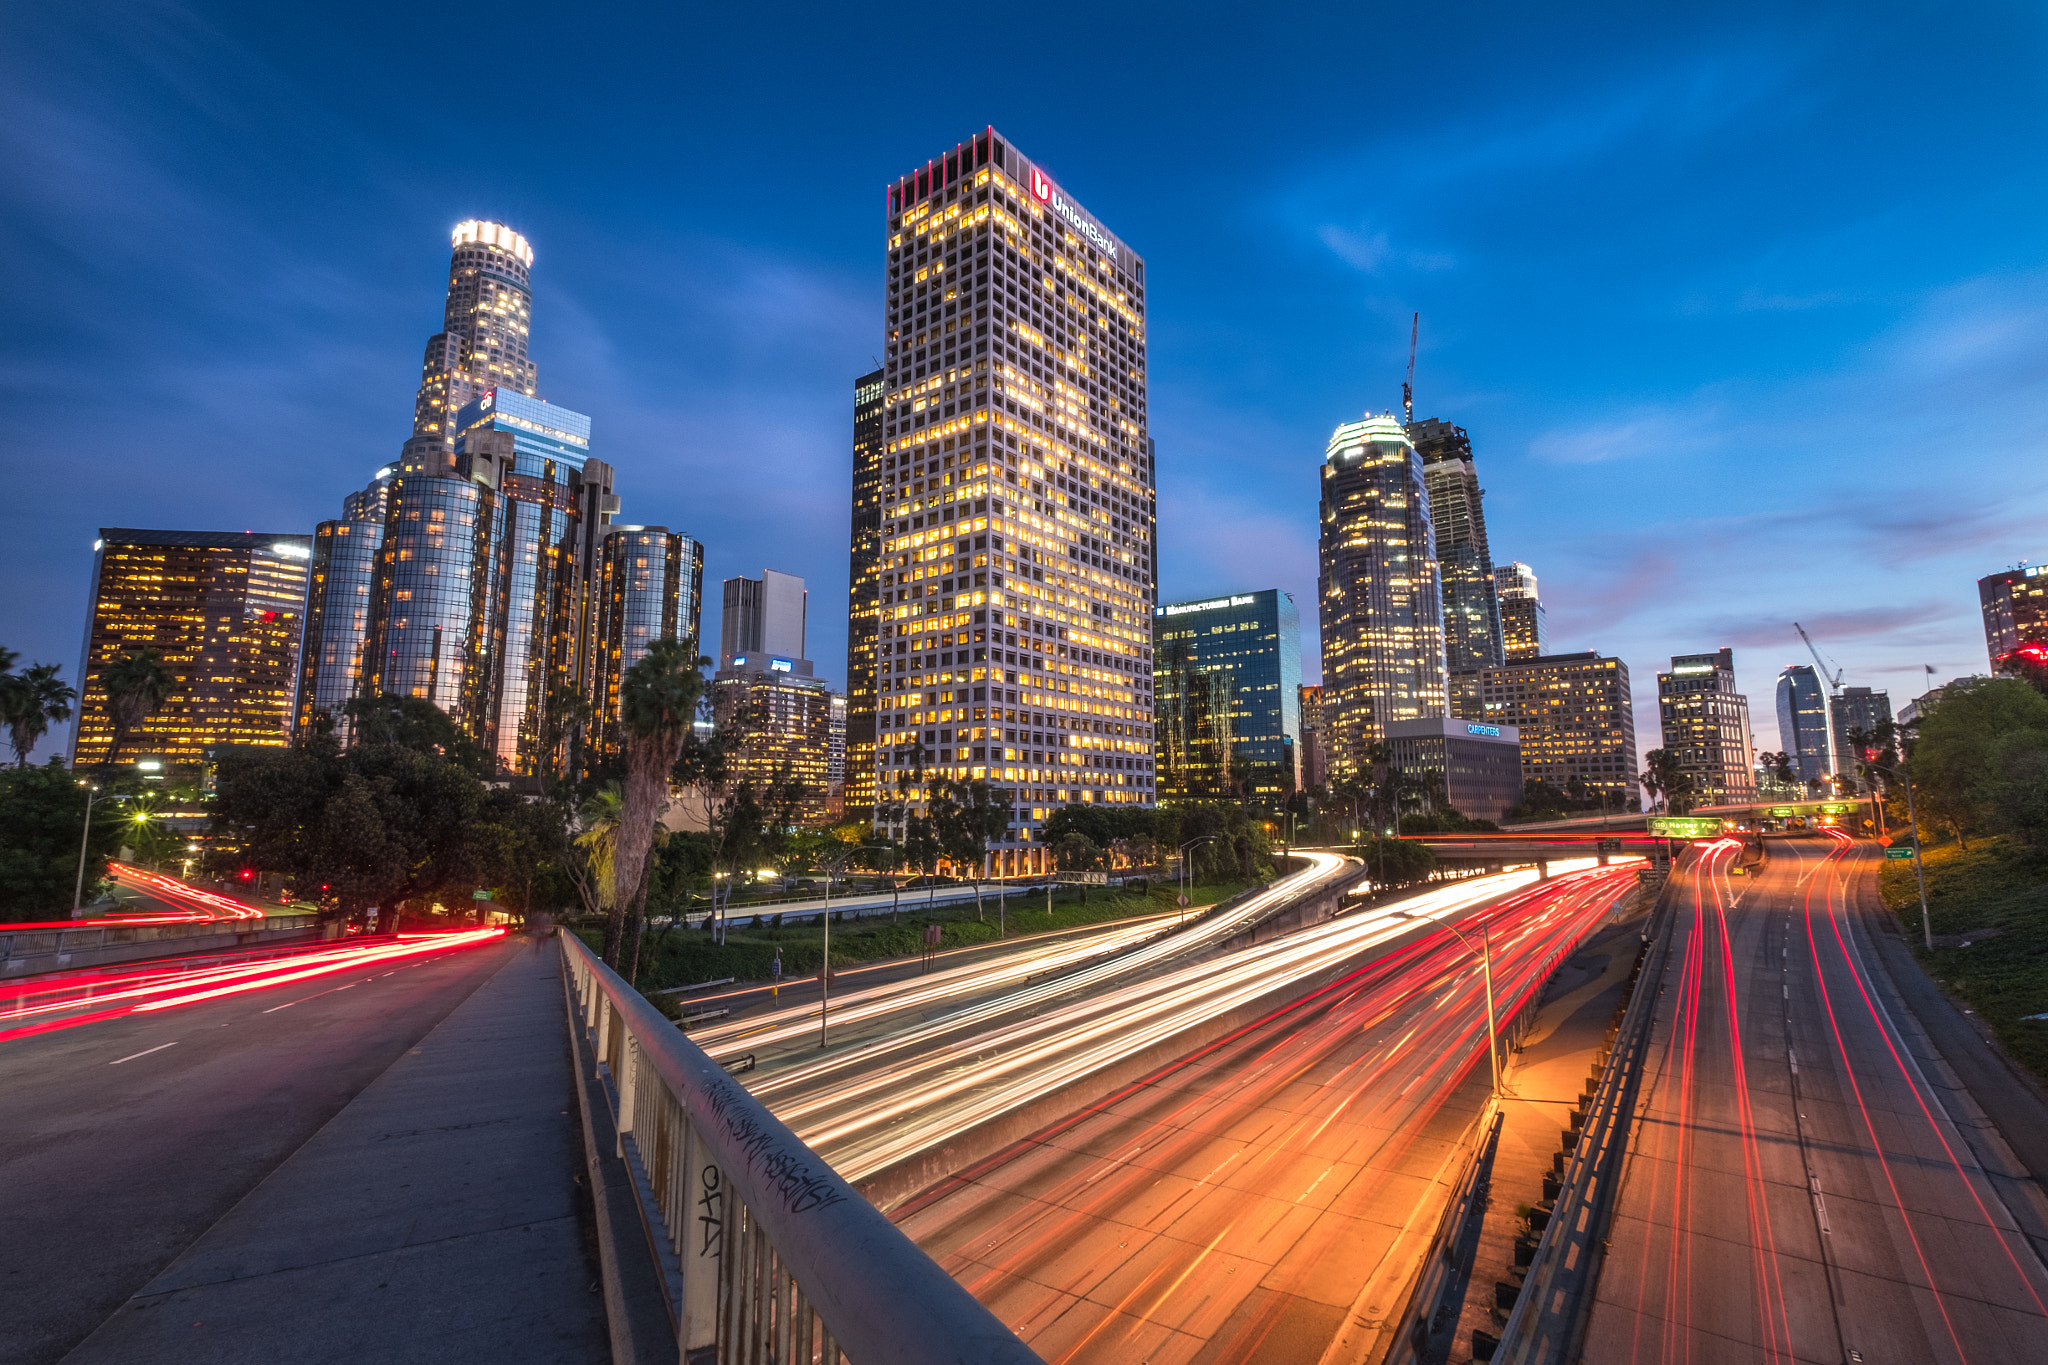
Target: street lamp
x=1919, y=872
x=84, y=841
x=1184, y=882
x=1486, y=971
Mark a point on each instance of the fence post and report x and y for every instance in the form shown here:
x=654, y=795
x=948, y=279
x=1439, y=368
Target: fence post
x=702, y=1252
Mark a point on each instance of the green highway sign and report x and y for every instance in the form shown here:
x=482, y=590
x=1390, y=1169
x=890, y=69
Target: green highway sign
x=1683, y=826
x=479, y=895
x=1893, y=853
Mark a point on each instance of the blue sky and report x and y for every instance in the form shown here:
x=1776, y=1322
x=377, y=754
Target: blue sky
x=1743, y=305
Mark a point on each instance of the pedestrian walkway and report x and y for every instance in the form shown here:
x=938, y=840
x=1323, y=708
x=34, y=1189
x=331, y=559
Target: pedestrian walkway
x=1543, y=1082
x=435, y=1218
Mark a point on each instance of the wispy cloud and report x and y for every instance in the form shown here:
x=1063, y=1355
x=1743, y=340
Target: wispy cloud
x=1370, y=251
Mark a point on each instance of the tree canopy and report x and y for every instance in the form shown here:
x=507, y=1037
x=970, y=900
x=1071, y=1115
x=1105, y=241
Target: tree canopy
x=1979, y=761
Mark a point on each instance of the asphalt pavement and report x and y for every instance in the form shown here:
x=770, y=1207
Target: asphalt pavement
x=1800, y=1187
x=130, y=1141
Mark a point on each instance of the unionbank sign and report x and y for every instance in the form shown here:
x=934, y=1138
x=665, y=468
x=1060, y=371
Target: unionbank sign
x=1042, y=190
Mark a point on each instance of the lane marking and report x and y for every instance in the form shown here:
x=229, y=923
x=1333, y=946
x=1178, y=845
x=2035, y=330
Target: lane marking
x=144, y=1053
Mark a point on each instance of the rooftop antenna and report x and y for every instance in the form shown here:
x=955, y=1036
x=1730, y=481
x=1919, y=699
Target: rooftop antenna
x=1408, y=385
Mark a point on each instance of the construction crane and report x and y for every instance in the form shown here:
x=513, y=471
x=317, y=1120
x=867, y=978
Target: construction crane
x=1827, y=698
x=1408, y=384
x=1834, y=683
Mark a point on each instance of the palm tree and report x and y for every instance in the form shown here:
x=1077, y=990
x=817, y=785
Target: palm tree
x=29, y=702
x=657, y=706
x=137, y=686
x=600, y=842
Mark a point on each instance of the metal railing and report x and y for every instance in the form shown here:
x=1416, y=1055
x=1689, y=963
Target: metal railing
x=777, y=1260
x=1550, y=1313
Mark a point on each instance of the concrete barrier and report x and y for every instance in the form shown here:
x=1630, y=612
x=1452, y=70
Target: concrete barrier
x=36, y=951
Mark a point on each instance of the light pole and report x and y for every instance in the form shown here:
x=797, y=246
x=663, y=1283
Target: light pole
x=84, y=841
x=1486, y=973
x=1185, y=883
x=1919, y=872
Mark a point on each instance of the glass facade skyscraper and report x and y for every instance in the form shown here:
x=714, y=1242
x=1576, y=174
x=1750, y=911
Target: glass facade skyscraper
x=1457, y=518
x=1226, y=678
x=1379, y=595
x=533, y=457
x=482, y=343
x=1523, y=632
x=486, y=540
x=864, y=595
x=1017, y=526
x=1803, y=729
x=344, y=569
x=649, y=585
x=224, y=610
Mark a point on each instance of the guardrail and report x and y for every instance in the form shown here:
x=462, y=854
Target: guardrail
x=776, y=1258
x=19, y=947
x=1550, y=1312
x=1432, y=1310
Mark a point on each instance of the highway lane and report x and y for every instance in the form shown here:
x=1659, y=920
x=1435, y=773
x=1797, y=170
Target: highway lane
x=1796, y=1190
x=870, y=1000
x=128, y=1137
x=1232, y=1206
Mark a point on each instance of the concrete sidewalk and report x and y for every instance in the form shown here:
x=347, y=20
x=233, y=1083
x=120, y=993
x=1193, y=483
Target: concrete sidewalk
x=440, y=1216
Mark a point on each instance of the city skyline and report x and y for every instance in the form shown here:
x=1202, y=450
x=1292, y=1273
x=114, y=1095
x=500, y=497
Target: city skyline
x=292, y=310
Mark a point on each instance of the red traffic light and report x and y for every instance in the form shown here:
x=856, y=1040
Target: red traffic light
x=248, y=875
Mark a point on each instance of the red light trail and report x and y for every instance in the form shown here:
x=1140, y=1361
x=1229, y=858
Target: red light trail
x=42, y=1007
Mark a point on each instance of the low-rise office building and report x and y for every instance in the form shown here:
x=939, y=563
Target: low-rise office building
x=1477, y=763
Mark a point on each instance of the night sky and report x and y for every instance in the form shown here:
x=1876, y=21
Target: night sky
x=1743, y=305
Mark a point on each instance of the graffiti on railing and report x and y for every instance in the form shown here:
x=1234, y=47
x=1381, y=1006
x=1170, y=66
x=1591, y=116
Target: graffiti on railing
x=802, y=1186
x=712, y=1200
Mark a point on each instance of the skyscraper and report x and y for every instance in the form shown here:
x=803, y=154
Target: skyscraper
x=482, y=342
x=649, y=585
x=223, y=610
x=1472, y=627
x=344, y=569
x=1226, y=675
x=2015, y=604
x=1524, y=635
x=1315, y=749
x=1857, y=709
x=764, y=694
x=1577, y=722
x=484, y=600
x=1018, y=512
x=1803, y=729
x=1379, y=595
x=768, y=615
x=864, y=594
x=1705, y=725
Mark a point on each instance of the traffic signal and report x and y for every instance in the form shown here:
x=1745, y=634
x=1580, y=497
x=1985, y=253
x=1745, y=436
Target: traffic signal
x=248, y=874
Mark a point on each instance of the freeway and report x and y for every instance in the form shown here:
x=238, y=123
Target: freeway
x=1234, y=1205
x=868, y=1001
x=880, y=1102
x=1798, y=1189
x=138, y=1113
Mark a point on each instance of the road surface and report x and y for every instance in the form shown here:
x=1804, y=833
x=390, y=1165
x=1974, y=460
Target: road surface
x=1796, y=1189
x=1234, y=1206
x=128, y=1137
